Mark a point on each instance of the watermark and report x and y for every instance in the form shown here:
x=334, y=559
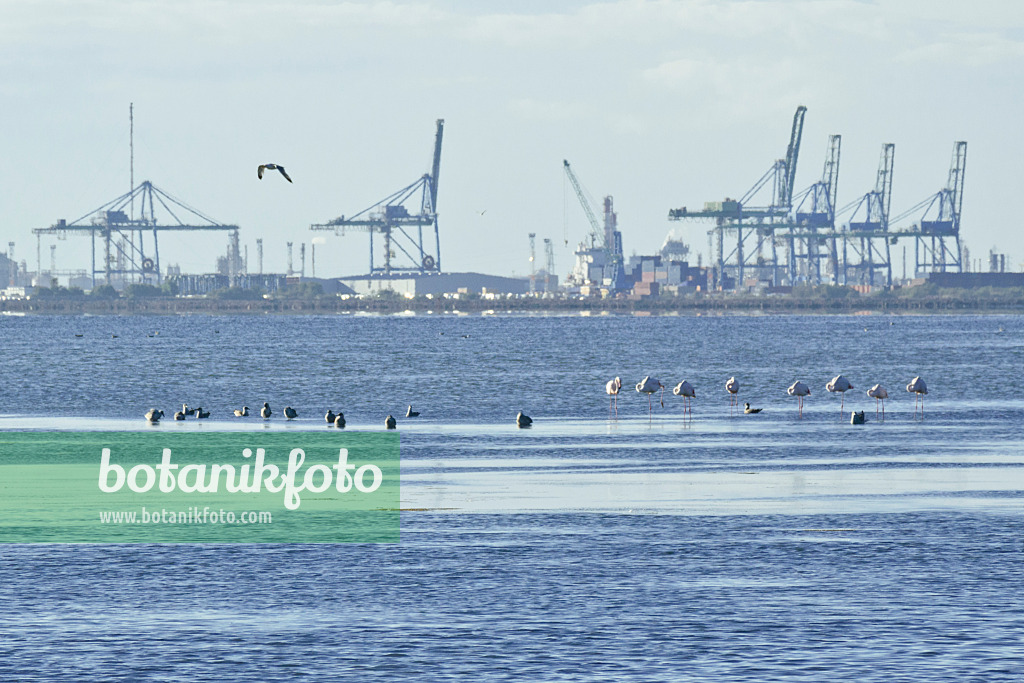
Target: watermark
x=209, y=487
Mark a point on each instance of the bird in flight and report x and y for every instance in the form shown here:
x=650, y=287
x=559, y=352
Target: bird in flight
x=272, y=167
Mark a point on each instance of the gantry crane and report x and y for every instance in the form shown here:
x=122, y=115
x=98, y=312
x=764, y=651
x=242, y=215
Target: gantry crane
x=399, y=229
x=937, y=233
x=746, y=219
x=124, y=252
x=866, y=236
x=815, y=220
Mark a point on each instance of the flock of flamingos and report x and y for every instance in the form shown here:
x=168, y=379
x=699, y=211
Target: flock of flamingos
x=839, y=384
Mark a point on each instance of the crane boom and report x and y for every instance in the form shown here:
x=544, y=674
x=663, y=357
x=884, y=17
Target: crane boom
x=435, y=169
x=597, y=233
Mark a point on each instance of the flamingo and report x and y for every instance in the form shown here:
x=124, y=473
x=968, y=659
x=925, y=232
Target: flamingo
x=799, y=389
x=685, y=389
x=917, y=386
x=733, y=387
x=649, y=386
x=523, y=420
x=612, y=389
x=878, y=393
x=842, y=385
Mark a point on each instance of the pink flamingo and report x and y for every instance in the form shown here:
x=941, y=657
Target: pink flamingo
x=799, y=389
x=917, y=387
x=842, y=385
x=649, y=386
x=685, y=389
x=612, y=389
x=878, y=393
x=733, y=387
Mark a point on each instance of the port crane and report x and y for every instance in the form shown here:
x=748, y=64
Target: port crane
x=125, y=254
x=606, y=238
x=397, y=223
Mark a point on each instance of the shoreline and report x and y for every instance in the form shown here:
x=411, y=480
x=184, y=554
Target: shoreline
x=709, y=305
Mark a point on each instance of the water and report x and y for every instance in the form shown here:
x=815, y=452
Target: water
x=641, y=548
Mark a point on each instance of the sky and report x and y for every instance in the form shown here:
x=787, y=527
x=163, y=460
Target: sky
x=659, y=104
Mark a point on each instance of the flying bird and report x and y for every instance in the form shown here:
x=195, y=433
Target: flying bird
x=917, y=387
x=842, y=385
x=878, y=393
x=272, y=167
x=799, y=389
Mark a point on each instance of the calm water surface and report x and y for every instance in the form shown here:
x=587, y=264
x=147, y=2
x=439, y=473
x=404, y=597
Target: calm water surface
x=638, y=548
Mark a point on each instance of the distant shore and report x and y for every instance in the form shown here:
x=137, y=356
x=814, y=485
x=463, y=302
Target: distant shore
x=965, y=301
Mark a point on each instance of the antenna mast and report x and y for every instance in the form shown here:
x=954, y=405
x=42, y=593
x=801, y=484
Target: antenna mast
x=131, y=154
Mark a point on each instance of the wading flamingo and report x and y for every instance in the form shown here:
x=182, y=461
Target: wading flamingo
x=879, y=393
x=649, y=386
x=685, y=389
x=733, y=387
x=612, y=389
x=799, y=389
x=842, y=385
x=917, y=387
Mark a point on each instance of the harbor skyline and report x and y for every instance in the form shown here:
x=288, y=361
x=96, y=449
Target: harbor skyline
x=659, y=104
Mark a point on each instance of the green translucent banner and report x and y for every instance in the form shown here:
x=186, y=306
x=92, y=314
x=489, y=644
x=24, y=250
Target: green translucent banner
x=210, y=487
